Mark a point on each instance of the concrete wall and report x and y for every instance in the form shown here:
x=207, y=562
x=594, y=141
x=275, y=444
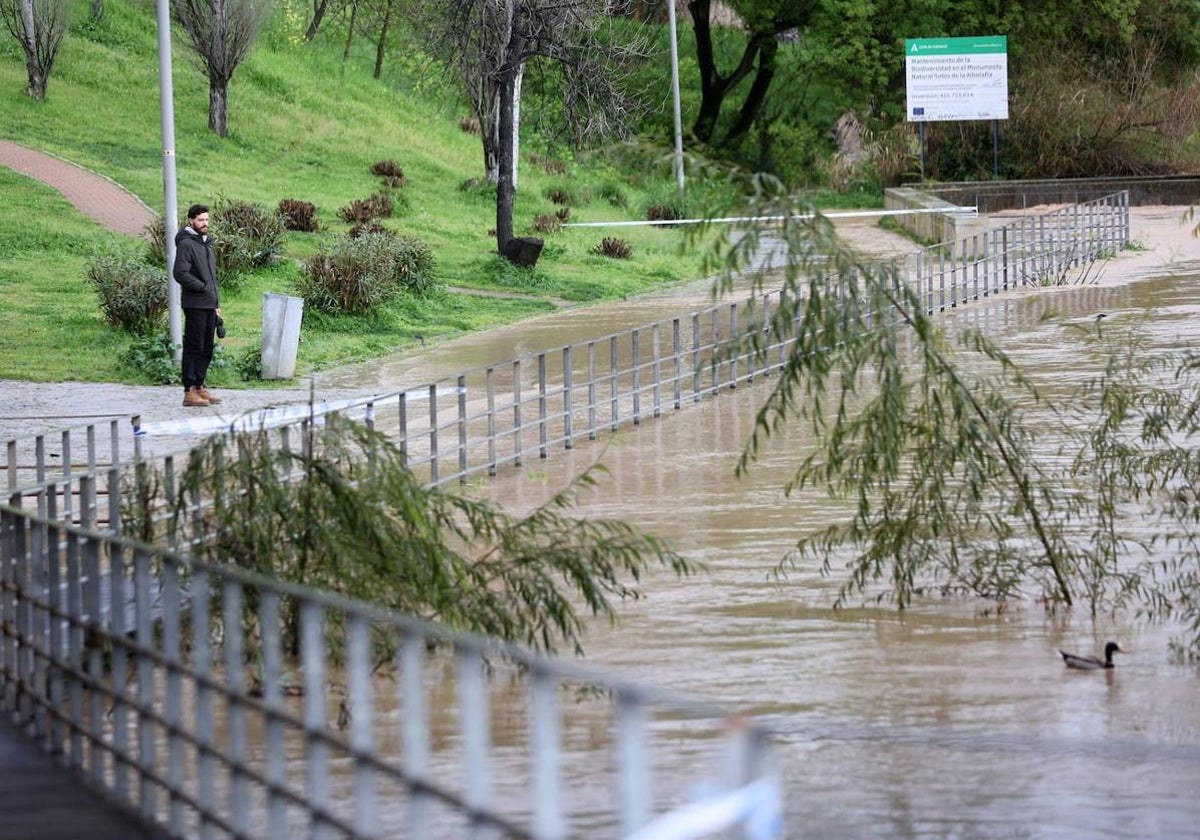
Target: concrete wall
x=997, y=196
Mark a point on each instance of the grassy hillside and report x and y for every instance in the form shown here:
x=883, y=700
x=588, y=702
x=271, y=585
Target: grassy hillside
x=303, y=125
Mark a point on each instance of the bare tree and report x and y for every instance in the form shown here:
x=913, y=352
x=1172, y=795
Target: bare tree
x=221, y=32
x=40, y=26
x=490, y=42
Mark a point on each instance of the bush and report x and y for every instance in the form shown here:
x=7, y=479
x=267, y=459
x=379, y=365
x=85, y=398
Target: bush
x=245, y=236
x=249, y=364
x=299, y=215
x=546, y=223
x=358, y=274
x=665, y=211
x=614, y=195
x=368, y=227
x=558, y=195
x=362, y=210
x=151, y=356
x=551, y=165
x=156, y=236
x=387, y=169
x=611, y=246
x=133, y=295
x=563, y=213
x=470, y=125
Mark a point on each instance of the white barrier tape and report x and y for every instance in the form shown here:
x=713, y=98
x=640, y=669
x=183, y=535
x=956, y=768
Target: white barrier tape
x=954, y=210
x=757, y=808
x=270, y=418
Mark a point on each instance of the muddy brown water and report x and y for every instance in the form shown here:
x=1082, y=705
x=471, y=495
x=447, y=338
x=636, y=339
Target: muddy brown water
x=946, y=720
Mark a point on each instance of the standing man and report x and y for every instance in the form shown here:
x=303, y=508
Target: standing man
x=196, y=273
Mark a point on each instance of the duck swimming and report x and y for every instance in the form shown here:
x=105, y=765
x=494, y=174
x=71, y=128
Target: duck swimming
x=1091, y=663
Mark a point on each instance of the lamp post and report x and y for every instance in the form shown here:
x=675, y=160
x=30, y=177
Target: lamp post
x=166, y=97
x=675, y=95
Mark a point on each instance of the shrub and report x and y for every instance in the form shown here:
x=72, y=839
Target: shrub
x=249, y=364
x=155, y=235
x=470, y=125
x=357, y=274
x=563, y=213
x=558, y=195
x=368, y=227
x=664, y=211
x=299, y=215
x=611, y=246
x=361, y=210
x=551, y=165
x=133, y=295
x=245, y=236
x=387, y=169
x=614, y=195
x=393, y=181
x=151, y=356
x=546, y=223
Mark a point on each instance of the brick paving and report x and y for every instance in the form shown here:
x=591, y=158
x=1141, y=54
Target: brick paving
x=95, y=196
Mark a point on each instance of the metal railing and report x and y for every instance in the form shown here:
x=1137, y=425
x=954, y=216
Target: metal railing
x=224, y=704
x=484, y=419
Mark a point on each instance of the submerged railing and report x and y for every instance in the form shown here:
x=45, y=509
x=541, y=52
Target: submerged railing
x=224, y=704
x=505, y=414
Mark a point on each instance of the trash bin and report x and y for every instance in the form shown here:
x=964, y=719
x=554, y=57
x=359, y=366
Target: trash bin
x=280, y=335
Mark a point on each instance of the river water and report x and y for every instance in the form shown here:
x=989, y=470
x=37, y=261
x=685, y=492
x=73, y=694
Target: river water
x=946, y=720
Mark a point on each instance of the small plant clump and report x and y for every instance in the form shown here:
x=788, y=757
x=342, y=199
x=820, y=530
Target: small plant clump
x=469, y=125
x=558, y=195
x=546, y=223
x=299, y=215
x=663, y=212
x=368, y=227
x=152, y=356
x=387, y=169
x=550, y=165
x=133, y=295
x=361, y=210
x=563, y=213
x=355, y=275
x=614, y=195
x=245, y=236
x=614, y=248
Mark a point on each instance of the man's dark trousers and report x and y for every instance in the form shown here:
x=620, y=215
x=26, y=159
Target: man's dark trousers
x=198, y=328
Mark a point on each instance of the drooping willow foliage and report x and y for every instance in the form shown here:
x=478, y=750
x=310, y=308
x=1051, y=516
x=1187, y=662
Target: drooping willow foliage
x=341, y=512
x=951, y=486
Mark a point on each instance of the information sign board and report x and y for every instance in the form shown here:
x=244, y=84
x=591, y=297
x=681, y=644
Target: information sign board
x=956, y=78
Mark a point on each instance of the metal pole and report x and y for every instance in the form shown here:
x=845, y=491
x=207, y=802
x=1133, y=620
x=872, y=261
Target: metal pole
x=166, y=96
x=995, y=148
x=674, y=95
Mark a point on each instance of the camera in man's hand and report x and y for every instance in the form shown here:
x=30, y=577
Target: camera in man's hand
x=220, y=327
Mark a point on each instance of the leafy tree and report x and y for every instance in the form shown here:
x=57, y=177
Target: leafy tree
x=764, y=21
x=489, y=44
x=221, y=33
x=344, y=513
x=39, y=26
x=950, y=489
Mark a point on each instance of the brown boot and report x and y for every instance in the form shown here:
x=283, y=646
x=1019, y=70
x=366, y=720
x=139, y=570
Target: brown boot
x=193, y=399
x=208, y=395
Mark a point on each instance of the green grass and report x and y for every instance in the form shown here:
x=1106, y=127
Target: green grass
x=304, y=125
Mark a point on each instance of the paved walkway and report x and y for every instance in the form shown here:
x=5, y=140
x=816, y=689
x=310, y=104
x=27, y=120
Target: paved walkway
x=95, y=196
x=39, y=800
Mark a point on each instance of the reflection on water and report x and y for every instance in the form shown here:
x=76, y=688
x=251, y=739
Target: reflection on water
x=942, y=721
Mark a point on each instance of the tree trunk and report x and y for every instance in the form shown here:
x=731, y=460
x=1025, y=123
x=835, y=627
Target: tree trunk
x=713, y=86
x=218, y=119
x=504, y=183
x=383, y=30
x=350, y=31
x=758, y=92
x=489, y=130
x=319, y=9
x=37, y=82
x=516, y=129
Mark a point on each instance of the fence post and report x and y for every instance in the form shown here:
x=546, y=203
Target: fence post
x=675, y=350
x=656, y=369
x=591, y=389
x=635, y=367
x=433, y=435
x=568, y=402
x=491, y=420
x=462, y=429
x=403, y=408
x=613, y=373
x=543, y=437
x=695, y=357
x=518, y=431
x=734, y=342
